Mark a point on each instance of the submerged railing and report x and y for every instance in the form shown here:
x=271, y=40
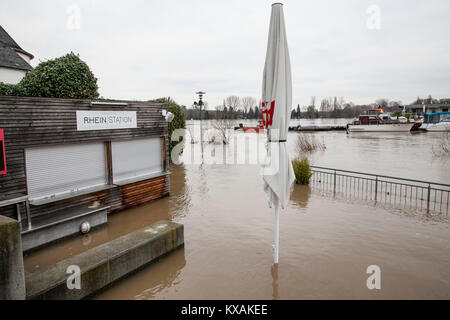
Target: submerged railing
x=419, y=194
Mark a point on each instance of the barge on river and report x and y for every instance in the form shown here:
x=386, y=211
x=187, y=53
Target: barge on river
x=376, y=121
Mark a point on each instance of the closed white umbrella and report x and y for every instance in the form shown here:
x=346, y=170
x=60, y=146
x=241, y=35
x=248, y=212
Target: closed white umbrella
x=278, y=173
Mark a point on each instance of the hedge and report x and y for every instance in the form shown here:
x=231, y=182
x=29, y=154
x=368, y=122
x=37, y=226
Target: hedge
x=178, y=121
x=64, y=77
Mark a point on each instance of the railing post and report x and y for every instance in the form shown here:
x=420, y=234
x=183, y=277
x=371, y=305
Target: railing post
x=334, y=189
x=346, y=185
x=376, y=187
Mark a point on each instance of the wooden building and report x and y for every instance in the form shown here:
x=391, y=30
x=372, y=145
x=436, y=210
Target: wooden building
x=72, y=161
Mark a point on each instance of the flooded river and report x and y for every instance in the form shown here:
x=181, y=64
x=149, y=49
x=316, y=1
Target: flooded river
x=326, y=244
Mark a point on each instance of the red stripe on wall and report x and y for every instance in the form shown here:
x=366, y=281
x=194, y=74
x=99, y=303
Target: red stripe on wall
x=3, y=155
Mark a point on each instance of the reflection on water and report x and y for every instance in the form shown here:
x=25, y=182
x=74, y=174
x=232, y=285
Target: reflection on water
x=180, y=193
x=155, y=278
x=300, y=195
x=161, y=277
x=324, y=251
x=274, y=272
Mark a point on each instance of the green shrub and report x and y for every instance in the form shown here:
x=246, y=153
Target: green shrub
x=9, y=89
x=178, y=121
x=302, y=170
x=64, y=77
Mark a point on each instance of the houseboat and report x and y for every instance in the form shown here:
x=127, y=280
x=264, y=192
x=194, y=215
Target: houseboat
x=377, y=121
x=436, y=121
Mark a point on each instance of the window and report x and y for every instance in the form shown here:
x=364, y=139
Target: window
x=135, y=160
x=60, y=170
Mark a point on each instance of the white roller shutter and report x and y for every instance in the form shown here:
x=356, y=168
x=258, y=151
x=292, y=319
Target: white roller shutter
x=56, y=170
x=135, y=159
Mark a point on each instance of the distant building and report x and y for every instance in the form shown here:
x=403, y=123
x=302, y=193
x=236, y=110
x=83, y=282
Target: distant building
x=430, y=105
x=14, y=61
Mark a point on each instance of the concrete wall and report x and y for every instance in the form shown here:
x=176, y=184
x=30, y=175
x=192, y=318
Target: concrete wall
x=11, y=76
x=105, y=264
x=12, y=278
x=40, y=236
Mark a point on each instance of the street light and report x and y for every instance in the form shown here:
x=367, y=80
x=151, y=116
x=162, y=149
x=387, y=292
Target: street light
x=200, y=104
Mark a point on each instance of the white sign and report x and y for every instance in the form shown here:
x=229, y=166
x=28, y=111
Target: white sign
x=106, y=120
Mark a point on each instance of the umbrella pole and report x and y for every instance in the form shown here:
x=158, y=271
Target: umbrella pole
x=277, y=232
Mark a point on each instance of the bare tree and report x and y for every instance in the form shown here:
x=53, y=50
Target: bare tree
x=324, y=106
x=311, y=112
x=394, y=104
x=191, y=134
x=223, y=124
x=233, y=102
x=313, y=101
x=308, y=143
x=247, y=103
x=196, y=111
x=341, y=102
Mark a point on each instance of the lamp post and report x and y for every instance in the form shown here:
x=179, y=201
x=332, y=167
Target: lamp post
x=200, y=104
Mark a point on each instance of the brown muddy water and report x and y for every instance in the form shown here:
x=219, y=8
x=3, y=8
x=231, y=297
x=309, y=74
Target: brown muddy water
x=326, y=243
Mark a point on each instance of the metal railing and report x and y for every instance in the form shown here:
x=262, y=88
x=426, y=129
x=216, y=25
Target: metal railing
x=419, y=194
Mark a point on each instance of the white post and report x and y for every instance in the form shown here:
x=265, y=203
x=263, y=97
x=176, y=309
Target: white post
x=276, y=245
x=201, y=135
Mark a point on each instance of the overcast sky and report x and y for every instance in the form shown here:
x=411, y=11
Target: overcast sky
x=141, y=50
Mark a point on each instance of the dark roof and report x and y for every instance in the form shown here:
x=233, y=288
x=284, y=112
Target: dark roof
x=9, y=56
x=430, y=102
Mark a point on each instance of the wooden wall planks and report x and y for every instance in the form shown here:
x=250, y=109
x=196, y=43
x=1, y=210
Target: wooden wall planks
x=32, y=122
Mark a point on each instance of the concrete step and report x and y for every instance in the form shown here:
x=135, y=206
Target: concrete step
x=105, y=264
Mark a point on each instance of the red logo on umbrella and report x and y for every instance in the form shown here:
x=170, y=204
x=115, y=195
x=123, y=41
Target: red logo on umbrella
x=267, y=114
